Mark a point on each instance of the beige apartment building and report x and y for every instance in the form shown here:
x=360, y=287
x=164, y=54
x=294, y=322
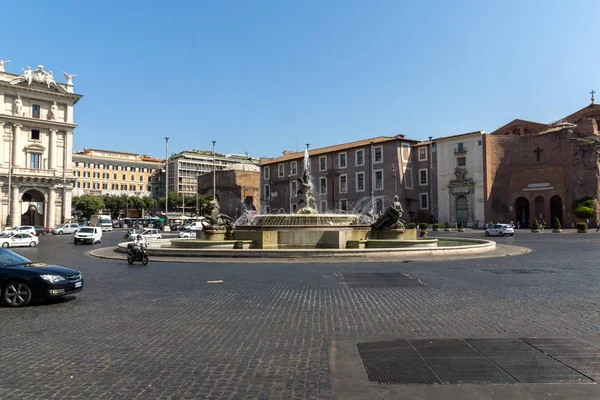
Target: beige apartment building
x=101, y=172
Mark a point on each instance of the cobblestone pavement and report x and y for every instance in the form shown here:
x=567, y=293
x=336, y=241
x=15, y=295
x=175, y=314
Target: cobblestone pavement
x=162, y=331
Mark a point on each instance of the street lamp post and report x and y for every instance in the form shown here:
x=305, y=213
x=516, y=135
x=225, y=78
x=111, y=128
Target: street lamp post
x=214, y=142
x=64, y=196
x=10, y=144
x=430, y=200
x=166, y=227
x=291, y=191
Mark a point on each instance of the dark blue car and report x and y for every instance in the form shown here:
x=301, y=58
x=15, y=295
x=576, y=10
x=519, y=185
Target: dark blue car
x=22, y=280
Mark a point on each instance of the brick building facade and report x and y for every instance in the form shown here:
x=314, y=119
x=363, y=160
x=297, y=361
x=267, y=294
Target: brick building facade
x=539, y=174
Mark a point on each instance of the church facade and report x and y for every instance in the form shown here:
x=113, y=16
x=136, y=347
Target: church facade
x=36, y=127
x=536, y=171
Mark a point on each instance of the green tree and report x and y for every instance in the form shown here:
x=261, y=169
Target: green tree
x=88, y=205
x=149, y=203
x=174, y=201
x=115, y=204
x=137, y=204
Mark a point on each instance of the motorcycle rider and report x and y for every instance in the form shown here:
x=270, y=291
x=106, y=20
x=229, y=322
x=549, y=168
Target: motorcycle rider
x=138, y=244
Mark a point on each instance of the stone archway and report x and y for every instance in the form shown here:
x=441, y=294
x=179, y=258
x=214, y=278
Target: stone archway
x=556, y=209
x=522, y=211
x=539, y=203
x=32, y=208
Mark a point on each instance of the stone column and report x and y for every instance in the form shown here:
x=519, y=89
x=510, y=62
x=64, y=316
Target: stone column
x=52, y=208
x=52, y=150
x=15, y=206
x=17, y=150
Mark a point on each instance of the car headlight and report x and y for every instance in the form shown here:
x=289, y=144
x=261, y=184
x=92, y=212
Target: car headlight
x=53, y=278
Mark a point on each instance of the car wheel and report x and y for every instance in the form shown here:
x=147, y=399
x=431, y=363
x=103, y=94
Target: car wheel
x=5, y=244
x=32, y=244
x=60, y=232
x=487, y=234
x=501, y=234
x=75, y=241
x=16, y=294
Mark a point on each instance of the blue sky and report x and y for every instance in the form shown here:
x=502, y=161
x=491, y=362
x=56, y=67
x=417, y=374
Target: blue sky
x=268, y=76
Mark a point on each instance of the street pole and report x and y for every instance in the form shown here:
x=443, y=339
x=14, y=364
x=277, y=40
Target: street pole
x=291, y=194
x=10, y=144
x=64, y=199
x=430, y=200
x=197, y=192
x=214, y=142
x=166, y=227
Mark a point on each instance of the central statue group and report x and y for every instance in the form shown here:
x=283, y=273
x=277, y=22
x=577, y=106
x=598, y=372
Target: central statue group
x=391, y=219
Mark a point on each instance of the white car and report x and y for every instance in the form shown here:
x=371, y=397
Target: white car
x=88, y=234
x=188, y=233
x=20, y=229
x=500, y=230
x=151, y=234
x=197, y=225
x=20, y=239
x=65, y=229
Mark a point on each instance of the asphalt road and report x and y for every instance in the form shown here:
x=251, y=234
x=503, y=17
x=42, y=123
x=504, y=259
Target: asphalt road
x=268, y=330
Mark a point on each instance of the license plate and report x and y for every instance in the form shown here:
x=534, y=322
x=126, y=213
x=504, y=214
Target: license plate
x=78, y=284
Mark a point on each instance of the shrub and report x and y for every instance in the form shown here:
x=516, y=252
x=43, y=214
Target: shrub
x=556, y=223
x=447, y=225
x=423, y=225
x=411, y=225
x=536, y=224
x=581, y=226
x=582, y=211
x=460, y=225
x=436, y=226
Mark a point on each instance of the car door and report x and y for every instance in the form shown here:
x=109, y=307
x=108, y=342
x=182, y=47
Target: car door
x=19, y=239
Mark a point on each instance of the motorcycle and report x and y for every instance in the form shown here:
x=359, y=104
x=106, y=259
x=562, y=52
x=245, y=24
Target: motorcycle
x=139, y=255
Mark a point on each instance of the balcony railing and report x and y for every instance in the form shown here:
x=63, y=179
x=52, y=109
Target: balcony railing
x=460, y=150
x=38, y=172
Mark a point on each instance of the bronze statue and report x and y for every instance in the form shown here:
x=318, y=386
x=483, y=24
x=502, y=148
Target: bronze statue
x=391, y=219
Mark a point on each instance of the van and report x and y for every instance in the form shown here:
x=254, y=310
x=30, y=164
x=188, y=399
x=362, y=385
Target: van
x=88, y=234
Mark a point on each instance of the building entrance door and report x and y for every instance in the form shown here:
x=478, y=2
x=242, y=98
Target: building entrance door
x=462, y=210
x=33, y=215
x=555, y=209
x=522, y=210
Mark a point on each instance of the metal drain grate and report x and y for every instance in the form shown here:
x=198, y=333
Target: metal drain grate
x=380, y=280
x=480, y=361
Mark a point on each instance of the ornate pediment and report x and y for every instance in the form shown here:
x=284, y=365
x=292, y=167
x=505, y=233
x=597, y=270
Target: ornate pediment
x=461, y=177
x=37, y=78
x=34, y=148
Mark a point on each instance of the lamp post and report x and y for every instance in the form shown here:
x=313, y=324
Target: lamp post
x=166, y=227
x=64, y=197
x=291, y=191
x=10, y=144
x=430, y=201
x=214, y=142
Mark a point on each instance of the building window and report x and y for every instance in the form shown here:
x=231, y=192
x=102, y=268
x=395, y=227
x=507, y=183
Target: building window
x=77, y=163
x=408, y=179
x=322, y=163
x=323, y=206
x=461, y=161
x=35, y=110
x=344, y=205
x=86, y=174
x=378, y=156
x=35, y=134
x=422, y=177
x=267, y=172
x=460, y=147
x=75, y=174
x=424, y=197
x=141, y=188
x=86, y=185
x=323, y=185
x=479, y=142
x=294, y=188
x=360, y=158
x=77, y=184
x=114, y=176
x=294, y=167
x=115, y=186
x=378, y=179
x=105, y=186
x=124, y=177
x=342, y=160
x=267, y=192
x=422, y=153
x=360, y=181
x=34, y=161
x=141, y=178
x=133, y=177
x=123, y=186
x=405, y=152
x=344, y=183
x=96, y=175
x=96, y=166
x=132, y=187
x=280, y=170
x=96, y=185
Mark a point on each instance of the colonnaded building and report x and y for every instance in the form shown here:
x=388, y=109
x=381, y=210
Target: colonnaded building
x=37, y=123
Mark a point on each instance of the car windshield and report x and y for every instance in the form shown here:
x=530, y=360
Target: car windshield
x=86, y=230
x=9, y=258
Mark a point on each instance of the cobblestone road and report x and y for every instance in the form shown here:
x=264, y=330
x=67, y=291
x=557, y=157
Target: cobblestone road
x=162, y=331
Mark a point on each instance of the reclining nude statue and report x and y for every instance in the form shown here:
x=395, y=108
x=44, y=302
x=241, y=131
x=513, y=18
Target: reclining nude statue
x=391, y=219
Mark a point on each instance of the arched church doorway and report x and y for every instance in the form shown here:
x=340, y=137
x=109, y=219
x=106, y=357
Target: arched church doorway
x=556, y=208
x=522, y=211
x=539, y=208
x=32, y=208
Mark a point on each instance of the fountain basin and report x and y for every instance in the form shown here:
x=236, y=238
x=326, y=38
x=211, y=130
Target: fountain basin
x=391, y=244
x=281, y=220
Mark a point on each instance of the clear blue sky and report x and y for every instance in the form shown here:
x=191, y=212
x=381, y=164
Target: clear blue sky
x=266, y=76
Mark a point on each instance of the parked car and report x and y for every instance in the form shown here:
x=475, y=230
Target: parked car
x=19, y=239
x=198, y=225
x=116, y=223
x=188, y=233
x=500, y=230
x=41, y=230
x=88, y=234
x=65, y=229
x=22, y=281
x=151, y=234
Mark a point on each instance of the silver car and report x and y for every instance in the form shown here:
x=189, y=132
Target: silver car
x=500, y=230
x=65, y=229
